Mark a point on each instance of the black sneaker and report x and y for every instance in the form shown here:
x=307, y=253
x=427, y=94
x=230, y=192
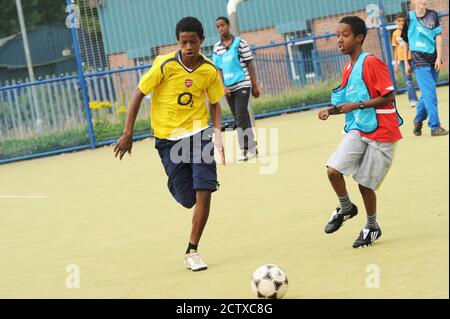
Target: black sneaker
x=338, y=217
x=417, y=128
x=367, y=236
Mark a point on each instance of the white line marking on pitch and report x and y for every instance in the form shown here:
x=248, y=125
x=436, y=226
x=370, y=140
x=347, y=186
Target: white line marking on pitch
x=22, y=196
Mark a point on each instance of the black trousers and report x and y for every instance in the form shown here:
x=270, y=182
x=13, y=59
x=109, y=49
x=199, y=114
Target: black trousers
x=238, y=102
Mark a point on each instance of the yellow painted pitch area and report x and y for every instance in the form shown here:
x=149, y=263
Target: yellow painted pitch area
x=118, y=223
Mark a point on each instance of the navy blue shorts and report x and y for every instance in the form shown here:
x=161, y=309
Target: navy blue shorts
x=190, y=166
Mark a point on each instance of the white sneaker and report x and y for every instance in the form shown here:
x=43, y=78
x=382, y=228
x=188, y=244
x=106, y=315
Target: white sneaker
x=251, y=153
x=413, y=103
x=194, y=262
x=241, y=156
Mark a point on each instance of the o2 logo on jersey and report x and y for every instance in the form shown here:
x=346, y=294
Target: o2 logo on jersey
x=185, y=99
x=373, y=16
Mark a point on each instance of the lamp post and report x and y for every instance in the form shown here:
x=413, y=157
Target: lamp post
x=26, y=47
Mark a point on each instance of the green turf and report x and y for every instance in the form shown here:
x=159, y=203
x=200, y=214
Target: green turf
x=119, y=224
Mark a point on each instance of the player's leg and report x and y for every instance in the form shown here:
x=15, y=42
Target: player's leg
x=204, y=177
x=421, y=110
x=427, y=79
x=200, y=216
x=374, y=167
x=245, y=132
x=344, y=162
x=412, y=97
x=232, y=104
x=178, y=171
x=181, y=187
x=372, y=230
x=370, y=203
x=199, y=219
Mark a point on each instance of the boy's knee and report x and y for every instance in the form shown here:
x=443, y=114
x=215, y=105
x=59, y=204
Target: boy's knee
x=188, y=202
x=365, y=190
x=333, y=173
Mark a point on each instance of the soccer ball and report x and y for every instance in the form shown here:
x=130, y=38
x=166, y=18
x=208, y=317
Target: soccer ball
x=269, y=281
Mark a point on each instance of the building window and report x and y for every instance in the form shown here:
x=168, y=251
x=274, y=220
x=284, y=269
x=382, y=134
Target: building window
x=301, y=57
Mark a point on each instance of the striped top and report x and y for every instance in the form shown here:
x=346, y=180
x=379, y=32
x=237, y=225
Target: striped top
x=245, y=55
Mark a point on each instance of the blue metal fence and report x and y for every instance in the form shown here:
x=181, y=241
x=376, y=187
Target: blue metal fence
x=87, y=110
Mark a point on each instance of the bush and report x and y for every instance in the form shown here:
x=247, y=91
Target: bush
x=11, y=148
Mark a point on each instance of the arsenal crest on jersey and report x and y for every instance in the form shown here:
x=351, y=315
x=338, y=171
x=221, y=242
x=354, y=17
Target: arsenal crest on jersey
x=188, y=83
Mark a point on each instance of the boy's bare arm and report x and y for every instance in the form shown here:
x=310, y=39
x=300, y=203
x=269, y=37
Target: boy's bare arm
x=405, y=58
x=125, y=142
x=348, y=107
x=325, y=113
x=216, y=116
x=396, y=60
x=252, y=72
x=376, y=102
x=438, y=64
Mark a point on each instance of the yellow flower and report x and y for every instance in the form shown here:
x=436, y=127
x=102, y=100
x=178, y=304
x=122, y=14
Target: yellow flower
x=122, y=110
x=105, y=104
x=94, y=105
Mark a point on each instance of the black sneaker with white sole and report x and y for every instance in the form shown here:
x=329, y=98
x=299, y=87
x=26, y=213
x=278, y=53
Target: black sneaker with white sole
x=367, y=236
x=338, y=218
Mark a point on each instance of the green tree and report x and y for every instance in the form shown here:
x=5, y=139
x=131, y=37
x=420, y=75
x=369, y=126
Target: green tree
x=36, y=13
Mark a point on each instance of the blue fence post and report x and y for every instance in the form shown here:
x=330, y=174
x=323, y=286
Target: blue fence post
x=387, y=43
x=84, y=92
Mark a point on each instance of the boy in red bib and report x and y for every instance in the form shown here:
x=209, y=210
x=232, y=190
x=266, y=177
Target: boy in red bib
x=366, y=97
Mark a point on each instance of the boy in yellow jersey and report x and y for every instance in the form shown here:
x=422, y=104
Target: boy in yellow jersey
x=179, y=83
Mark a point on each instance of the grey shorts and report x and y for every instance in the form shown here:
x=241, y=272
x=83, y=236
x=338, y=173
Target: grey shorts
x=366, y=160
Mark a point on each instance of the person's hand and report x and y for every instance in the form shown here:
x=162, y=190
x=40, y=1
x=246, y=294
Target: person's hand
x=227, y=91
x=255, y=92
x=219, y=146
x=408, y=68
x=124, y=145
x=323, y=114
x=347, y=107
x=438, y=64
x=396, y=68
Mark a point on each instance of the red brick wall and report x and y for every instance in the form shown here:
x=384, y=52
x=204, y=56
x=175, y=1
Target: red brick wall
x=168, y=49
x=263, y=37
x=119, y=60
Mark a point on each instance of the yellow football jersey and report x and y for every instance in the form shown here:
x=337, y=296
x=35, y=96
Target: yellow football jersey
x=178, y=94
